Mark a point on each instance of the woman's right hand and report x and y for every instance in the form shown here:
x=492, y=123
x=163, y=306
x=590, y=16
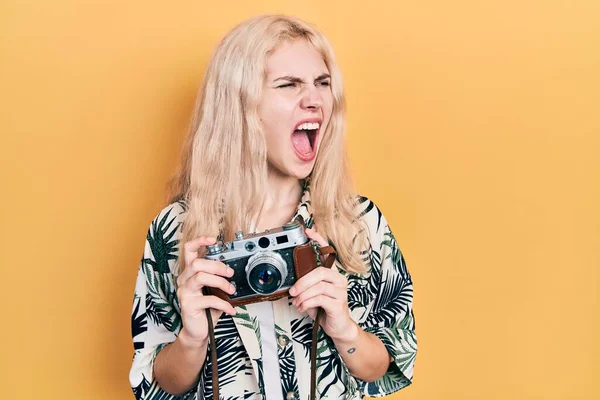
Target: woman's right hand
x=197, y=273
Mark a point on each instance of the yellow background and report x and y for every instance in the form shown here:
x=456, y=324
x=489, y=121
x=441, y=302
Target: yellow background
x=473, y=124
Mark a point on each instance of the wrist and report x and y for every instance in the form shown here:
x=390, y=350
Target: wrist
x=349, y=335
x=189, y=343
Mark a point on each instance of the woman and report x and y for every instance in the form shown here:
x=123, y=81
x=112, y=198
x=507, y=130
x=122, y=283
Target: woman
x=267, y=146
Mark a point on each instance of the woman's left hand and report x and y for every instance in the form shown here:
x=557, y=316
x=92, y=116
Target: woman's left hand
x=325, y=288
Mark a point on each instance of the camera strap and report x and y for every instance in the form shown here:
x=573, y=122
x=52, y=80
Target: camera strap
x=328, y=255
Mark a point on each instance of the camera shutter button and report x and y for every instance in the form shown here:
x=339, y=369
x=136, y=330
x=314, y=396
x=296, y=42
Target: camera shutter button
x=239, y=235
x=214, y=249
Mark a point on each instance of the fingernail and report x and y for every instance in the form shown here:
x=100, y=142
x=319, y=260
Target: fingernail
x=231, y=289
x=293, y=291
x=230, y=271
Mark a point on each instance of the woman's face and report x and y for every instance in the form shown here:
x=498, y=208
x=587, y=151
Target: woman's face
x=295, y=107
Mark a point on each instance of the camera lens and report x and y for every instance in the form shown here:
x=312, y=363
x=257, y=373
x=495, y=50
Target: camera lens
x=265, y=278
x=266, y=272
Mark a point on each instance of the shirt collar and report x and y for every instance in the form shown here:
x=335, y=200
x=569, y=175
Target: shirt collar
x=304, y=209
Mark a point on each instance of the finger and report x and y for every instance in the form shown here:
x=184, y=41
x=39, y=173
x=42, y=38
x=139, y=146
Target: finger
x=190, y=249
x=217, y=303
x=203, y=265
x=315, y=276
x=202, y=279
x=320, y=288
x=313, y=235
x=325, y=302
x=194, y=305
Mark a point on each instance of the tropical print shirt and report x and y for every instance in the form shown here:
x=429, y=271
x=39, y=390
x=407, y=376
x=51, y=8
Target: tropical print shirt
x=380, y=301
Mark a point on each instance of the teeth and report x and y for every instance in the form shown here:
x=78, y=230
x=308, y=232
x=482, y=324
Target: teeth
x=309, y=126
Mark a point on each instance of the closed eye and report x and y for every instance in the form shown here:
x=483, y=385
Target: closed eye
x=286, y=85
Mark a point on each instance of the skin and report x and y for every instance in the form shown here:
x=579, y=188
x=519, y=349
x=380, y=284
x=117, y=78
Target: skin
x=297, y=87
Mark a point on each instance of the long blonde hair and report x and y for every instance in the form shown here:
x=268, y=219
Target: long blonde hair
x=223, y=172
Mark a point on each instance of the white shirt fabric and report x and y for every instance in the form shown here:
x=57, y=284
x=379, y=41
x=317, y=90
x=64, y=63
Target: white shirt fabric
x=264, y=314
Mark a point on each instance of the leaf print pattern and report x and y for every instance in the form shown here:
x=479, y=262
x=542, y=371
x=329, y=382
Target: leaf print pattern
x=161, y=244
x=261, y=374
x=380, y=300
x=287, y=362
x=391, y=317
x=139, y=390
x=156, y=393
x=139, y=325
x=330, y=371
x=230, y=352
x=302, y=333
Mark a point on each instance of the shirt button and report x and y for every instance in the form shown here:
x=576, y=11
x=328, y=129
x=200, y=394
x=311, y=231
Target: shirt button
x=283, y=341
x=291, y=396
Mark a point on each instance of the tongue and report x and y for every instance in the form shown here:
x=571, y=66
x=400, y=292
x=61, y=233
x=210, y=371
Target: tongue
x=301, y=142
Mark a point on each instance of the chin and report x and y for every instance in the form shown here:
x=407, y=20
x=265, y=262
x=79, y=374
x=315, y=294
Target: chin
x=301, y=174
x=300, y=171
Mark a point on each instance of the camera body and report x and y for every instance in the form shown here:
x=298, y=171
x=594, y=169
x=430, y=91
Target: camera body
x=265, y=264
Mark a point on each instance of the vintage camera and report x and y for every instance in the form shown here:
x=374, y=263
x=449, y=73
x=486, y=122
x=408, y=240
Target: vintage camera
x=265, y=264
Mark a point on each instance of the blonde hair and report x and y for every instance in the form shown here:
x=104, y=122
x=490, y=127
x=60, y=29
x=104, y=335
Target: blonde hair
x=223, y=172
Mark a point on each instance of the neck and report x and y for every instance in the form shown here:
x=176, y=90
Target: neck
x=282, y=191
x=281, y=200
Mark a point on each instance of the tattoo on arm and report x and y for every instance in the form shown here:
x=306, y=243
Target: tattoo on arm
x=351, y=350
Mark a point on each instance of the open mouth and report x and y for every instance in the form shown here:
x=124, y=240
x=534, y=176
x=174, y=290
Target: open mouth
x=304, y=139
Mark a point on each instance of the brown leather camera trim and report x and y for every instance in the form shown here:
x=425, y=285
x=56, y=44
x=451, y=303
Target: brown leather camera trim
x=257, y=298
x=305, y=260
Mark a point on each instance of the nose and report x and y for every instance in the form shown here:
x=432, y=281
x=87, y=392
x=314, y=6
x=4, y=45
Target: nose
x=311, y=98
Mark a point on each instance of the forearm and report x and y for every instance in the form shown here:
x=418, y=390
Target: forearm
x=178, y=365
x=364, y=354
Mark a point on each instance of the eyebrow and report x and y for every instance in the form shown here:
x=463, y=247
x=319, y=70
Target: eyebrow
x=295, y=79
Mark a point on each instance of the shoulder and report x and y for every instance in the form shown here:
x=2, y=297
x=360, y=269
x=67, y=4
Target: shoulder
x=164, y=234
x=169, y=219
x=370, y=215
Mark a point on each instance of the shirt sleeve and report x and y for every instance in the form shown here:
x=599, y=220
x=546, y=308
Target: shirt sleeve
x=390, y=317
x=155, y=319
